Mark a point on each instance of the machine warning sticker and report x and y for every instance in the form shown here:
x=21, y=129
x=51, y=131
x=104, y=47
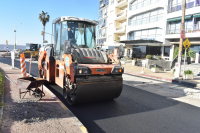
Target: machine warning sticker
x=66, y=61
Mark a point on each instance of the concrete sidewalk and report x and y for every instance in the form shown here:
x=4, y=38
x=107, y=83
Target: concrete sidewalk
x=48, y=115
x=162, y=75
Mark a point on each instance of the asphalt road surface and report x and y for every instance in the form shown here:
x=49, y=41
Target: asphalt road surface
x=145, y=106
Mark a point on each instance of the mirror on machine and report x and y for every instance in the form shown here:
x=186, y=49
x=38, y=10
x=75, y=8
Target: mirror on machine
x=67, y=47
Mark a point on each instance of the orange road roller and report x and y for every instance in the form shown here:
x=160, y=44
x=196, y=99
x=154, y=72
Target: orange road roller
x=75, y=64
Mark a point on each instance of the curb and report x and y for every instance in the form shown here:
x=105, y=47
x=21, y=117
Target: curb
x=76, y=120
x=173, y=81
x=2, y=100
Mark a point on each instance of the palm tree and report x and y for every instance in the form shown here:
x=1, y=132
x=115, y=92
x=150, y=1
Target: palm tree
x=44, y=18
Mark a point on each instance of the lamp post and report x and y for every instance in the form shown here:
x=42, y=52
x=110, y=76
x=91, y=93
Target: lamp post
x=15, y=33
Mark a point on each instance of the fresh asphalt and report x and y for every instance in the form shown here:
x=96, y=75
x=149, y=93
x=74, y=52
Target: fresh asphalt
x=135, y=111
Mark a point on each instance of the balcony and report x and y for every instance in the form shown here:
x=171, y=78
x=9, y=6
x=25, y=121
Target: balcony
x=178, y=7
x=188, y=29
x=121, y=29
x=121, y=16
x=142, y=4
x=121, y=3
x=191, y=32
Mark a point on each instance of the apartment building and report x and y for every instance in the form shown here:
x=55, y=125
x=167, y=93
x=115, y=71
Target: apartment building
x=148, y=26
x=192, y=23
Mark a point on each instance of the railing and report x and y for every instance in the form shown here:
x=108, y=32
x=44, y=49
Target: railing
x=118, y=1
x=119, y=28
x=188, y=29
x=178, y=7
x=121, y=13
x=142, y=4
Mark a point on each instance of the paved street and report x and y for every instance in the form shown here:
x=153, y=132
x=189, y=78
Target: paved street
x=145, y=106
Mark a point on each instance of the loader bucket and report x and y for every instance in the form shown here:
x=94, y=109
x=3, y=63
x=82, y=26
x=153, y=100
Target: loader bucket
x=96, y=89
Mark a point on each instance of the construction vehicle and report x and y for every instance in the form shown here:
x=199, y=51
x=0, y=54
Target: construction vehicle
x=77, y=66
x=31, y=50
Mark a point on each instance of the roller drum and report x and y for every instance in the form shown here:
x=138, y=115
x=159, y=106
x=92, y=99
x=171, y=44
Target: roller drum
x=97, y=88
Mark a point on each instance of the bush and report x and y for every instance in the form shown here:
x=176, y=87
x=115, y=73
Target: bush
x=188, y=72
x=149, y=56
x=176, y=51
x=158, y=57
x=192, y=53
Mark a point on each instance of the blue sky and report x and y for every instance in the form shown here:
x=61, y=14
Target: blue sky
x=27, y=13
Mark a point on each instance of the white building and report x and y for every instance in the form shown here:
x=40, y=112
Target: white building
x=147, y=26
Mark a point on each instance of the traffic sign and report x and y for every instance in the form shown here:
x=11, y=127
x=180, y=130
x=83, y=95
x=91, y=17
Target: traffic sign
x=6, y=41
x=186, y=43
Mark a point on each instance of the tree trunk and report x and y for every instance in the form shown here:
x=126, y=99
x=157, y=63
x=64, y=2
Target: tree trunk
x=43, y=35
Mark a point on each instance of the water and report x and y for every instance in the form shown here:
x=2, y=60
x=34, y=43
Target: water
x=11, y=47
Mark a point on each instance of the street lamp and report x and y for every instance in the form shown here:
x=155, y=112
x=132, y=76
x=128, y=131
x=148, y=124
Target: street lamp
x=15, y=33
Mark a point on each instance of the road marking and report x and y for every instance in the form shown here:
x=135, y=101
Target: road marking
x=83, y=129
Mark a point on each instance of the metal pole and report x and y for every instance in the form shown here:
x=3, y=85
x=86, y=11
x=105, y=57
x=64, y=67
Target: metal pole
x=15, y=37
x=181, y=40
x=184, y=63
x=30, y=67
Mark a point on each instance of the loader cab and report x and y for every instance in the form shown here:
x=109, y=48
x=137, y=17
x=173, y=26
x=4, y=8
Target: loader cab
x=80, y=32
x=32, y=47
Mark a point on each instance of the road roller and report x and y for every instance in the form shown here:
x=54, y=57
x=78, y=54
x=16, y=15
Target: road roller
x=74, y=62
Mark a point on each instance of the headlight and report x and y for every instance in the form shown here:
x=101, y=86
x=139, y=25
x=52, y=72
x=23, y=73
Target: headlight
x=85, y=71
x=80, y=71
x=117, y=70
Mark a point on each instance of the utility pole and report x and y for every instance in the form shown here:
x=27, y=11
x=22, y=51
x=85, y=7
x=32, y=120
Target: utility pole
x=181, y=39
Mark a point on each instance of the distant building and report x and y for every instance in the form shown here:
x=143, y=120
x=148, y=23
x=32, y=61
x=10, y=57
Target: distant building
x=147, y=26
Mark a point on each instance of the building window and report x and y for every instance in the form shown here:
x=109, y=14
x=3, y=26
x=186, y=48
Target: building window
x=112, y=13
x=166, y=51
x=101, y=41
x=102, y=23
x=102, y=33
x=112, y=2
x=175, y=27
x=103, y=13
x=142, y=51
x=149, y=34
x=197, y=24
x=137, y=4
x=148, y=17
x=103, y=4
x=176, y=5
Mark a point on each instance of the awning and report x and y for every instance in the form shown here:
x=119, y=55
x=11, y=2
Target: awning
x=143, y=43
x=196, y=15
x=178, y=18
x=174, y=19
